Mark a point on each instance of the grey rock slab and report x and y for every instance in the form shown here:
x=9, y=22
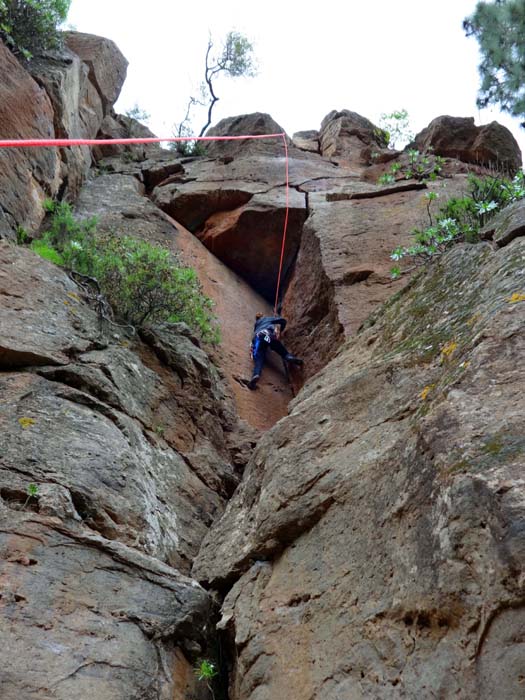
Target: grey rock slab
x=43, y=320
x=376, y=541
x=95, y=618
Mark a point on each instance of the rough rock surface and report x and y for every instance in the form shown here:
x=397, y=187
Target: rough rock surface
x=26, y=176
x=376, y=545
x=107, y=66
x=506, y=225
x=66, y=95
x=119, y=126
x=149, y=419
x=236, y=204
x=77, y=109
x=95, y=618
x=255, y=124
x=374, y=549
x=348, y=138
x=342, y=271
x=307, y=141
x=458, y=137
x=128, y=444
x=119, y=203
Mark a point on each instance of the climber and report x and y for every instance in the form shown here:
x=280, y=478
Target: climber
x=266, y=333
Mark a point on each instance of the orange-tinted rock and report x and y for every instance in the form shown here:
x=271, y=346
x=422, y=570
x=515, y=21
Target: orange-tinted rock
x=249, y=239
x=27, y=176
x=119, y=204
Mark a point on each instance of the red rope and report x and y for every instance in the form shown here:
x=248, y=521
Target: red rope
x=31, y=143
x=34, y=143
x=287, y=207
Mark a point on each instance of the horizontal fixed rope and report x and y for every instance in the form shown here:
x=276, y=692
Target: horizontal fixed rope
x=34, y=143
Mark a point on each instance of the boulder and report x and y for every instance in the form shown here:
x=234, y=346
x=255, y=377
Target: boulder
x=457, y=137
x=257, y=123
x=107, y=66
x=27, y=176
x=306, y=141
x=347, y=137
x=375, y=546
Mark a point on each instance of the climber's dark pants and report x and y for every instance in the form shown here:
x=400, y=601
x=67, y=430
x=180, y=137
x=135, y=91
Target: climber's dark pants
x=260, y=350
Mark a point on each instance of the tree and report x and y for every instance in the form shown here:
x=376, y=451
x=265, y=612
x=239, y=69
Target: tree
x=31, y=26
x=234, y=59
x=499, y=28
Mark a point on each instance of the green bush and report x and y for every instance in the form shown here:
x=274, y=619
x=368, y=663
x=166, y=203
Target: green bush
x=421, y=167
x=29, y=27
x=143, y=283
x=461, y=218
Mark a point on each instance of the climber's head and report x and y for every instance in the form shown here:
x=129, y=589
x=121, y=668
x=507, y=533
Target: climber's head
x=258, y=315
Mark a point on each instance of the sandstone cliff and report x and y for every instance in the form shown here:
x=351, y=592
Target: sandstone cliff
x=361, y=540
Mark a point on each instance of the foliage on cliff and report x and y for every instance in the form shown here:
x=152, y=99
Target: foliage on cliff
x=461, y=218
x=29, y=27
x=143, y=283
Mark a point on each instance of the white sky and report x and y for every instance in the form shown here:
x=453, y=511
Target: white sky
x=370, y=56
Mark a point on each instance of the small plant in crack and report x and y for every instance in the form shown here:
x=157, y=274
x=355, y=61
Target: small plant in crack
x=160, y=430
x=32, y=492
x=206, y=672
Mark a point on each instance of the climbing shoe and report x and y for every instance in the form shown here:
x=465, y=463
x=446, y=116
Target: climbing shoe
x=253, y=382
x=294, y=360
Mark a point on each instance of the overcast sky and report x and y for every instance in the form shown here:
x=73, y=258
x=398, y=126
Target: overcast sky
x=370, y=56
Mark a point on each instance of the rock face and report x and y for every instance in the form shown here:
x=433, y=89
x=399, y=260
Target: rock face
x=375, y=545
x=157, y=408
x=68, y=95
x=127, y=615
x=26, y=176
x=507, y=225
x=77, y=108
x=119, y=126
x=127, y=442
x=236, y=204
x=458, y=137
x=118, y=201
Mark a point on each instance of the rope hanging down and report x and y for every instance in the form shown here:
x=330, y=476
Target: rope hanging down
x=61, y=143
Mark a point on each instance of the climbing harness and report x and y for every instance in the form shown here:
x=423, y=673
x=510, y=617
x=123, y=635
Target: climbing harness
x=261, y=337
x=60, y=143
